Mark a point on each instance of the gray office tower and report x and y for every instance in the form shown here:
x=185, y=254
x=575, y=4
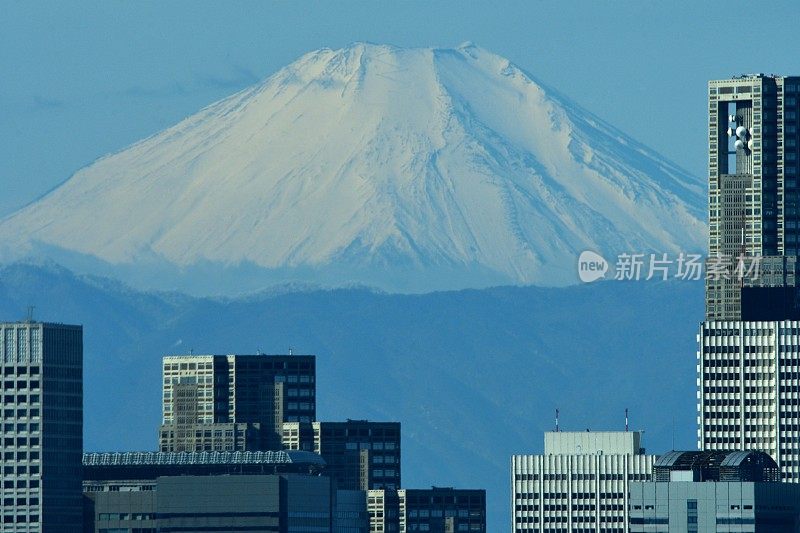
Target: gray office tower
x=234, y=402
x=749, y=344
x=42, y=427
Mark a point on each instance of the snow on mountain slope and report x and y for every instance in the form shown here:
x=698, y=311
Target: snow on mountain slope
x=372, y=160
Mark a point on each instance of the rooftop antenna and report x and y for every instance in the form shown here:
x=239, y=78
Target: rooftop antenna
x=191, y=351
x=557, y=430
x=626, y=420
x=29, y=317
x=673, y=432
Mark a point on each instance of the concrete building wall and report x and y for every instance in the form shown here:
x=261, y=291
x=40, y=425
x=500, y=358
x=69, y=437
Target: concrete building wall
x=574, y=493
x=749, y=389
x=287, y=502
x=592, y=442
x=690, y=507
x=119, y=510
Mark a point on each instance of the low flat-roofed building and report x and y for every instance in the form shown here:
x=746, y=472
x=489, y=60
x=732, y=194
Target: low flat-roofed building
x=272, y=502
x=150, y=492
x=736, y=491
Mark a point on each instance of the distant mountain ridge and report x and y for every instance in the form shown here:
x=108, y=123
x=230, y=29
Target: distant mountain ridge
x=404, y=169
x=473, y=376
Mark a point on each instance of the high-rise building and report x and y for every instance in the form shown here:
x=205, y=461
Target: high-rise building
x=749, y=345
x=360, y=454
x=580, y=484
x=438, y=510
x=714, y=491
x=754, y=194
x=234, y=402
x=42, y=427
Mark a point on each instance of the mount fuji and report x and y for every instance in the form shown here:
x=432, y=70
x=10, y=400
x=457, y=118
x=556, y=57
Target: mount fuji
x=405, y=169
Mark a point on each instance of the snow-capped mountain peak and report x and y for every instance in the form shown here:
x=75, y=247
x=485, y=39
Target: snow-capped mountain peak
x=409, y=169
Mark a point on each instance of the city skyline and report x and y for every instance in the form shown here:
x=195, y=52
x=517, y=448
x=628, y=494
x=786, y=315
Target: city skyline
x=429, y=198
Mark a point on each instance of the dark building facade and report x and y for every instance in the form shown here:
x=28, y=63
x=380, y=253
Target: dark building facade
x=234, y=402
x=359, y=454
x=438, y=510
x=156, y=492
x=273, y=502
x=42, y=426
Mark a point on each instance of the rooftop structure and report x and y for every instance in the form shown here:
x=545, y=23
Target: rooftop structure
x=716, y=466
x=593, y=442
x=151, y=465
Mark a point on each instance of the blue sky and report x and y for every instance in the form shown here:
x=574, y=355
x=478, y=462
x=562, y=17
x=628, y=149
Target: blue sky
x=80, y=80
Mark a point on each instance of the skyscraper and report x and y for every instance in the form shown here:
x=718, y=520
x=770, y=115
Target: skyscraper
x=42, y=427
x=749, y=344
x=234, y=402
x=754, y=196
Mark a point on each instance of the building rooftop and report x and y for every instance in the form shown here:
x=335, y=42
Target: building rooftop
x=201, y=458
x=593, y=442
x=172, y=357
x=716, y=466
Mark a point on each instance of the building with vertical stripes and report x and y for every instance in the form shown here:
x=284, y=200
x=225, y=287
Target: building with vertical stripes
x=42, y=427
x=748, y=359
x=580, y=484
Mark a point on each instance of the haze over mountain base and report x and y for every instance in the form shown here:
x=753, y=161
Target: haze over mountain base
x=474, y=375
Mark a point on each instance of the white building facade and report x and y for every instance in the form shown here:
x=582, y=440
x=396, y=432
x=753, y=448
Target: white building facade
x=580, y=484
x=748, y=389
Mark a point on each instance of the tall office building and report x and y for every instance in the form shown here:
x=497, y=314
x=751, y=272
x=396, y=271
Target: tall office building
x=42, y=427
x=754, y=197
x=580, y=484
x=360, y=454
x=749, y=344
x=234, y=402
